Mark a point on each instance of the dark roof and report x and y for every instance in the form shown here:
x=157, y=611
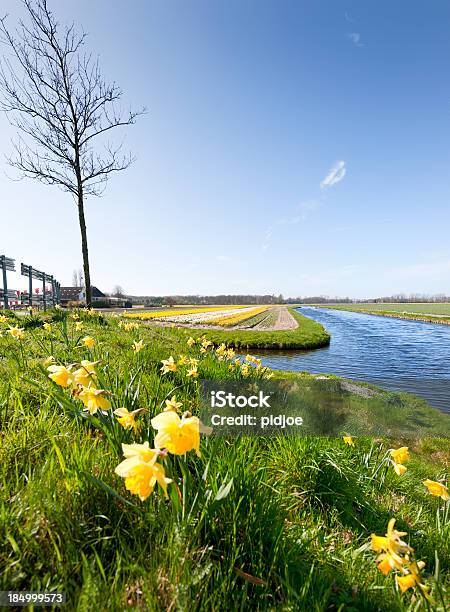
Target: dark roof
x=73, y=293
x=97, y=293
x=70, y=293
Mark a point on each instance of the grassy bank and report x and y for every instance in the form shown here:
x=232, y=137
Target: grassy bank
x=268, y=524
x=308, y=335
x=430, y=313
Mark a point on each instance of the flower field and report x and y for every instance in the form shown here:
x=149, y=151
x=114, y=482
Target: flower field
x=180, y=314
x=230, y=319
x=219, y=315
x=111, y=484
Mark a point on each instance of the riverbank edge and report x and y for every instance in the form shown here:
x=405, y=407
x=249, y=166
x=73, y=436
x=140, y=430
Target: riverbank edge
x=308, y=335
x=440, y=320
x=412, y=405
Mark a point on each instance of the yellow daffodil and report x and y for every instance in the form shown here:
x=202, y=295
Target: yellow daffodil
x=86, y=375
x=172, y=404
x=61, y=375
x=3, y=319
x=126, y=418
x=183, y=360
x=88, y=341
x=17, y=332
x=94, y=399
x=192, y=372
x=142, y=451
x=193, y=362
x=413, y=578
x=141, y=470
x=130, y=326
x=348, y=440
x=168, y=365
x=190, y=342
x=230, y=354
x=177, y=435
x=386, y=562
x=379, y=543
x=245, y=369
x=393, y=549
x=138, y=346
x=79, y=326
x=399, y=468
x=47, y=327
x=249, y=358
x=222, y=349
x=206, y=343
x=237, y=362
x=49, y=360
x=75, y=316
x=437, y=489
x=400, y=455
x=58, y=307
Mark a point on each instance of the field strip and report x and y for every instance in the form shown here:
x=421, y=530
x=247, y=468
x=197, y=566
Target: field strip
x=285, y=320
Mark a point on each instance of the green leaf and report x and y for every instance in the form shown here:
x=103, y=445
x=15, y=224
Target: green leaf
x=224, y=490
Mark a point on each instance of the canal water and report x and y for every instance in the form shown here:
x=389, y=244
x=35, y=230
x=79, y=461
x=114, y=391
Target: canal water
x=395, y=354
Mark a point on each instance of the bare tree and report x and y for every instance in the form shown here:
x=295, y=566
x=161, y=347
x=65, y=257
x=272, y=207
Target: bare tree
x=118, y=291
x=77, y=278
x=55, y=95
x=80, y=278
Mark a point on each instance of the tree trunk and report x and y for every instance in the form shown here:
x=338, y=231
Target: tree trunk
x=84, y=249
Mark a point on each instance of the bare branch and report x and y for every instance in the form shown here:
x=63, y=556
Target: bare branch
x=55, y=95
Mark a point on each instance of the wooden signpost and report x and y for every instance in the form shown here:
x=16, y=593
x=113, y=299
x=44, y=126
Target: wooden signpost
x=48, y=297
x=6, y=265
x=32, y=273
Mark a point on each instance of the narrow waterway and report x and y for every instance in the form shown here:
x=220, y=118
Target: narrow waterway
x=394, y=354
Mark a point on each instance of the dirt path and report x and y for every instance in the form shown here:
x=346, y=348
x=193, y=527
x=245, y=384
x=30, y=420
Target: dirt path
x=284, y=320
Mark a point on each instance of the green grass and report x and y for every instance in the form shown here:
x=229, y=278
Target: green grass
x=309, y=334
x=260, y=524
x=433, y=313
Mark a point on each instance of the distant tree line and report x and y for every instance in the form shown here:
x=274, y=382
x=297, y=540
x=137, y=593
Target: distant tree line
x=318, y=299
x=207, y=300
x=392, y=299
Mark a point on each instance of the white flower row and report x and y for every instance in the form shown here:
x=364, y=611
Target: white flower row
x=202, y=317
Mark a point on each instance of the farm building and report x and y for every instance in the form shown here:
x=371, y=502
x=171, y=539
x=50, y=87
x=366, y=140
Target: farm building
x=99, y=299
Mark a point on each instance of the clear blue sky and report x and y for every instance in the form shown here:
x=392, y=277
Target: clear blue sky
x=299, y=147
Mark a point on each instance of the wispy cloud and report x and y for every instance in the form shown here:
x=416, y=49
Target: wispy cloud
x=349, y=18
x=336, y=174
x=289, y=220
x=223, y=258
x=303, y=211
x=355, y=38
x=267, y=239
